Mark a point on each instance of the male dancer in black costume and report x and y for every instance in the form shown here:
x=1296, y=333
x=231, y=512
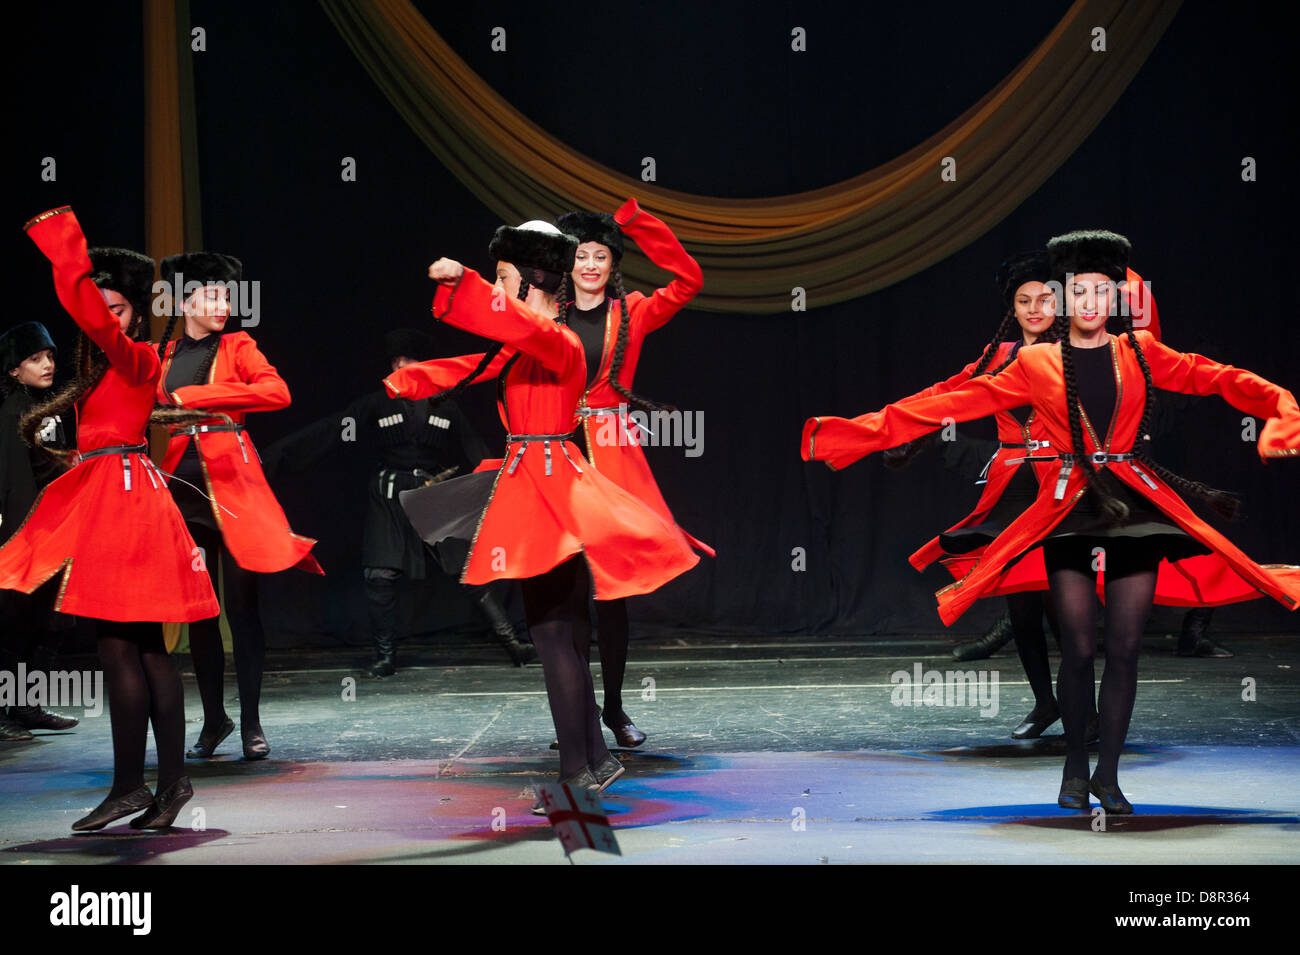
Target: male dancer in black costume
x=418, y=443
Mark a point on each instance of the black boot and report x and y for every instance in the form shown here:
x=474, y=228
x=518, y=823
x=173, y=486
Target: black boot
x=1193, y=642
x=11, y=732
x=999, y=635
x=385, y=661
x=381, y=597
x=520, y=653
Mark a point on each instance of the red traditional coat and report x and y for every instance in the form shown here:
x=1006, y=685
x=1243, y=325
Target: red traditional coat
x=618, y=457
x=999, y=472
x=614, y=447
x=536, y=520
x=124, y=553
x=1225, y=575
x=252, y=523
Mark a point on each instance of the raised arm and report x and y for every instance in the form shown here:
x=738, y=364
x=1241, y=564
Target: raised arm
x=58, y=235
x=1246, y=391
x=841, y=441
x=471, y=303
x=423, y=379
x=661, y=247
x=259, y=388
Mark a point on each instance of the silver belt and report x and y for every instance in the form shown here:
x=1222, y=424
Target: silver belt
x=524, y=440
x=1032, y=445
x=126, y=450
x=1097, y=457
x=238, y=429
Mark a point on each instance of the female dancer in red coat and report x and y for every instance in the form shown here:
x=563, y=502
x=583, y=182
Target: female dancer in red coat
x=1011, y=482
x=612, y=330
x=1104, y=506
x=546, y=517
x=109, y=526
x=235, y=519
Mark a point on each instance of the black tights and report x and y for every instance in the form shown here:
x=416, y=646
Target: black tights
x=556, y=606
x=1026, y=612
x=247, y=637
x=143, y=687
x=611, y=640
x=1130, y=579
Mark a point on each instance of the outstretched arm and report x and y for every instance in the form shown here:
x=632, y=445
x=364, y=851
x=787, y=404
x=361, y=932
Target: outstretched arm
x=1197, y=375
x=58, y=235
x=423, y=379
x=466, y=301
x=661, y=247
x=841, y=441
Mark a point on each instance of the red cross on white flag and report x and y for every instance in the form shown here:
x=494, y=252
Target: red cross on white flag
x=578, y=818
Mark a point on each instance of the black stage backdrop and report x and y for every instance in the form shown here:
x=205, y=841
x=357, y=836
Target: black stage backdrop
x=726, y=109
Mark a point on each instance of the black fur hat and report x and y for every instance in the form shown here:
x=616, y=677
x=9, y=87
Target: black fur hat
x=203, y=267
x=594, y=227
x=1090, y=250
x=542, y=253
x=22, y=342
x=1035, y=266
x=408, y=343
x=128, y=273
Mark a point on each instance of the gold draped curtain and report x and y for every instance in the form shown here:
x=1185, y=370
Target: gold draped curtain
x=837, y=243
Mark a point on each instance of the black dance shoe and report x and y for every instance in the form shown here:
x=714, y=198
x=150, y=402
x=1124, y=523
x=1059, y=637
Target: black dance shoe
x=208, y=742
x=11, y=732
x=115, y=808
x=255, y=746
x=1032, y=726
x=1203, y=647
x=385, y=665
x=1074, y=794
x=1111, y=799
x=165, y=806
x=35, y=718
x=625, y=732
x=608, y=771
x=582, y=779
x=993, y=641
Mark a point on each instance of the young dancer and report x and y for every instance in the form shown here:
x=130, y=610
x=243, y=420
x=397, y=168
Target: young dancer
x=1011, y=481
x=228, y=507
x=108, y=527
x=31, y=629
x=546, y=517
x=612, y=329
x=1104, y=505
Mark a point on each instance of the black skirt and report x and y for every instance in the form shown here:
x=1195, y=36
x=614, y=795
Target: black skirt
x=1016, y=498
x=446, y=516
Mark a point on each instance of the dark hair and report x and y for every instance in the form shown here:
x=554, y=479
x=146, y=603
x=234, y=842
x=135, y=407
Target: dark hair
x=620, y=347
x=1114, y=511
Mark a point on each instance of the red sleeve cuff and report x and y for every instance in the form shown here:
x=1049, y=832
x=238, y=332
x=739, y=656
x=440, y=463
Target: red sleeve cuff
x=627, y=212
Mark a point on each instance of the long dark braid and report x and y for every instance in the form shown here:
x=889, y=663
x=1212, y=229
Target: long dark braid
x=89, y=365
x=1008, y=322
x=1222, y=502
x=495, y=350
x=167, y=336
x=1113, y=510
x=620, y=347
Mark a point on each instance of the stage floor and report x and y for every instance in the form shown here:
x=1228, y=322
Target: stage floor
x=759, y=751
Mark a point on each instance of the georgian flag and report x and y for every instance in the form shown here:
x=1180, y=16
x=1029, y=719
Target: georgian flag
x=578, y=818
